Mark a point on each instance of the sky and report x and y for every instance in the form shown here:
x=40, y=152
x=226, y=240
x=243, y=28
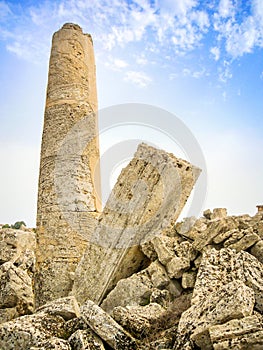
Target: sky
x=202, y=61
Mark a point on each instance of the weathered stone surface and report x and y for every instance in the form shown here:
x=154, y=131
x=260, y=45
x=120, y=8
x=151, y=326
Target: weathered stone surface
x=67, y=308
x=106, y=327
x=28, y=331
x=15, y=289
x=214, y=228
x=243, y=334
x=147, y=199
x=8, y=314
x=67, y=198
x=137, y=289
x=188, y=279
x=218, y=213
x=249, y=238
x=15, y=244
x=85, y=340
x=233, y=300
x=139, y=320
x=257, y=250
x=52, y=343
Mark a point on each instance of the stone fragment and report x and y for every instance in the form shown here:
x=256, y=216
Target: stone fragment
x=163, y=246
x=253, y=275
x=139, y=320
x=207, y=214
x=14, y=244
x=28, y=331
x=67, y=308
x=234, y=238
x=214, y=228
x=177, y=266
x=225, y=235
x=106, y=327
x=67, y=197
x=15, y=289
x=161, y=297
x=191, y=227
x=218, y=213
x=85, y=340
x=233, y=300
x=245, y=333
x=147, y=199
x=248, y=240
x=257, y=250
x=188, y=279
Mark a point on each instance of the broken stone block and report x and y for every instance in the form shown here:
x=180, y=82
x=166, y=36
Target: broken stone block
x=8, y=314
x=244, y=333
x=253, y=276
x=218, y=213
x=163, y=246
x=16, y=289
x=217, y=268
x=233, y=300
x=28, y=331
x=161, y=297
x=225, y=235
x=139, y=320
x=85, y=340
x=257, y=250
x=106, y=327
x=147, y=199
x=177, y=266
x=188, y=279
x=137, y=289
x=14, y=244
x=214, y=228
x=248, y=240
x=67, y=308
x=207, y=214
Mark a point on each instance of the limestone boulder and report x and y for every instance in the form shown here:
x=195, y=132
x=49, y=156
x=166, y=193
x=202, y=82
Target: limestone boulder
x=106, y=327
x=52, y=344
x=15, y=290
x=257, y=250
x=29, y=331
x=67, y=308
x=245, y=333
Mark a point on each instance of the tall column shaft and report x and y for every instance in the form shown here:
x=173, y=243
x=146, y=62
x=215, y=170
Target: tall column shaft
x=69, y=189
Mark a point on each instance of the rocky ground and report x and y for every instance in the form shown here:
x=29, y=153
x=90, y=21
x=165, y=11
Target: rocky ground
x=202, y=289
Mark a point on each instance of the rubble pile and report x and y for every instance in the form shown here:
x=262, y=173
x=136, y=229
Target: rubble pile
x=202, y=289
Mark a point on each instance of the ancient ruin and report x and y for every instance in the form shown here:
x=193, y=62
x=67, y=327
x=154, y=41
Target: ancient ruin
x=130, y=277
x=67, y=197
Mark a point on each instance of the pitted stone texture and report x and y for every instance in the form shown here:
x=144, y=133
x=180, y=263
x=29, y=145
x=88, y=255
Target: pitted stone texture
x=243, y=334
x=139, y=320
x=28, y=331
x=15, y=291
x=67, y=308
x=146, y=200
x=67, y=198
x=106, y=327
x=85, y=340
x=231, y=301
x=257, y=250
x=138, y=289
x=17, y=246
x=52, y=344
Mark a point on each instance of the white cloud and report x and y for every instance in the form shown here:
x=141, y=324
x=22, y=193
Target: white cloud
x=216, y=52
x=177, y=8
x=225, y=8
x=225, y=72
x=116, y=64
x=138, y=78
x=197, y=74
x=4, y=10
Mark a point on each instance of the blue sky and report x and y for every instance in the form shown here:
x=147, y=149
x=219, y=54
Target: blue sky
x=200, y=60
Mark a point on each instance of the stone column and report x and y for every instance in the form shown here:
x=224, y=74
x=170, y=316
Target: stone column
x=69, y=188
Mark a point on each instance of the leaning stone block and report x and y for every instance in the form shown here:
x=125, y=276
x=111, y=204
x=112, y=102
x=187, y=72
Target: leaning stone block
x=106, y=327
x=147, y=199
x=249, y=239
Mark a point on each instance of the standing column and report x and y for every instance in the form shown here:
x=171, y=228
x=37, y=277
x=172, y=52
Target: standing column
x=69, y=189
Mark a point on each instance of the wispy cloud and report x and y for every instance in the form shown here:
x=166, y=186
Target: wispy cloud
x=140, y=79
x=116, y=64
x=151, y=28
